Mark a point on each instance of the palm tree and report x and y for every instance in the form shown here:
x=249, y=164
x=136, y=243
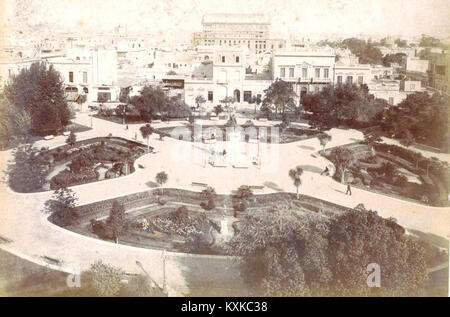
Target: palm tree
x=146, y=131
x=295, y=174
x=161, y=178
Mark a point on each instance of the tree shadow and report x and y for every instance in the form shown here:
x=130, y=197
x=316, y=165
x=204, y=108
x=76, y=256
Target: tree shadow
x=306, y=147
x=273, y=186
x=312, y=169
x=152, y=184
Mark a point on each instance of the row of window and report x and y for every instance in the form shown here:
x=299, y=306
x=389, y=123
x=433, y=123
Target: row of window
x=85, y=77
x=349, y=80
x=236, y=59
x=325, y=73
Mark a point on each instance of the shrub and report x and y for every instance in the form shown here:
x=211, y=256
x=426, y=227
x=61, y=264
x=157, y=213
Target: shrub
x=209, y=205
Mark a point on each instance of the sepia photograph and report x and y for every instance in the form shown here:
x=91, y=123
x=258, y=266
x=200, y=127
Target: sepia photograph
x=204, y=149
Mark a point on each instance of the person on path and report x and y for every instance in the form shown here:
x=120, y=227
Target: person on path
x=349, y=190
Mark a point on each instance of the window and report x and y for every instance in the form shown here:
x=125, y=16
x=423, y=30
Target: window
x=282, y=72
x=237, y=59
x=291, y=72
x=413, y=87
x=317, y=72
x=349, y=80
x=247, y=95
x=223, y=59
x=210, y=95
x=360, y=80
x=316, y=89
x=84, y=77
x=339, y=80
x=304, y=72
x=70, y=77
x=326, y=72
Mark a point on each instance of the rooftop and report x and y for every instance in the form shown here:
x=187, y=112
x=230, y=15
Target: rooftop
x=238, y=18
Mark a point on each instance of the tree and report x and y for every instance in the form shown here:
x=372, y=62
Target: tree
x=71, y=139
x=324, y=138
x=15, y=124
x=105, y=279
x=290, y=253
x=39, y=92
x=241, y=197
x=398, y=58
x=218, y=109
x=429, y=41
x=27, y=171
x=344, y=104
x=116, y=220
x=372, y=138
x=61, y=207
x=367, y=52
x=161, y=178
x=150, y=102
x=343, y=158
x=420, y=117
x=280, y=94
x=199, y=100
x=146, y=132
x=295, y=174
x=209, y=194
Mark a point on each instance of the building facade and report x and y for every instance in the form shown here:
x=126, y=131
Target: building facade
x=439, y=72
x=249, y=30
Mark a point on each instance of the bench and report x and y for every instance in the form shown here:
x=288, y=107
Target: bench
x=51, y=260
x=240, y=166
x=199, y=184
x=256, y=186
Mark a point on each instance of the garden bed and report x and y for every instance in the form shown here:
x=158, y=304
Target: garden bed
x=394, y=171
x=91, y=160
x=175, y=221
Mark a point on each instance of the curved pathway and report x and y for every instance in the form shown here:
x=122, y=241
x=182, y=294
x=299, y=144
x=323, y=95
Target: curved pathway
x=33, y=237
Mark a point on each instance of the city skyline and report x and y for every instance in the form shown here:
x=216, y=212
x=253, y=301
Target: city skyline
x=339, y=17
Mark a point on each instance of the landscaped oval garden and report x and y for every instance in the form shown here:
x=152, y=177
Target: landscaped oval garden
x=82, y=162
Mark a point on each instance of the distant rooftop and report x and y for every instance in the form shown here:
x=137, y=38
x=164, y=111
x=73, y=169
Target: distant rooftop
x=240, y=18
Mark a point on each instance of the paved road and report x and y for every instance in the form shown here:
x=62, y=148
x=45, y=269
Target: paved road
x=22, y=221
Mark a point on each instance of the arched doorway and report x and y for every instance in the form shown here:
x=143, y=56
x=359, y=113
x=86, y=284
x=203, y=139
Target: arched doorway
x=237, y=95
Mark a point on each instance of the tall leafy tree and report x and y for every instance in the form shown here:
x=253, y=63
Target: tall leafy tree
x=420, y=117
x=61, y=207
x=290, y=253
x=105, y=279
x=345, y=104
x=27, y=170
x=116, y=220
x=280, y=94
x=150, y=102
x=39, y=92
x=343, y=158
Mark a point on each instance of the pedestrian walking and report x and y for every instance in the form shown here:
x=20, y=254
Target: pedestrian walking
x=349, y=190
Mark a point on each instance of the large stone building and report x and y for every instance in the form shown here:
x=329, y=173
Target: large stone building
x=439, y=72
x=250, y=30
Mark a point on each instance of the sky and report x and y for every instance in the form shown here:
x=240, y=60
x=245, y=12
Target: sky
x=173, y=18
